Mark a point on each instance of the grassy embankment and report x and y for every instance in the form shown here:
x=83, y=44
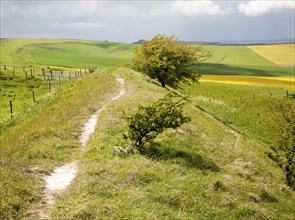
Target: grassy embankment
x=46, y=138
x=203, y=170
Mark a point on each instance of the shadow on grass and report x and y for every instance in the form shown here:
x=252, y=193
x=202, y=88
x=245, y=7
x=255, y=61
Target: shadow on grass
x=191, y=160
x=221, y=69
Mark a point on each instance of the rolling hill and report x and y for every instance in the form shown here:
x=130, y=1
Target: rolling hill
x=213, y=167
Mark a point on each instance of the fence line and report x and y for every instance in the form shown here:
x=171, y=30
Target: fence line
x=42, y=73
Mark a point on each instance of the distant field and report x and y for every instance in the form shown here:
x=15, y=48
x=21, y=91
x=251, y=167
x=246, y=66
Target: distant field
x=65, y=53
x=226, y=60
x=282, y=82
x=240, y=60
x=281, y=54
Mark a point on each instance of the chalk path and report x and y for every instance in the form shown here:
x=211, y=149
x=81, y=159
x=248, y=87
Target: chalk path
x=62, y=176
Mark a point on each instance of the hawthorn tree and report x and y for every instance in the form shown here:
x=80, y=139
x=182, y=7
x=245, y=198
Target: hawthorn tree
x=152, y=120
x=168, y=61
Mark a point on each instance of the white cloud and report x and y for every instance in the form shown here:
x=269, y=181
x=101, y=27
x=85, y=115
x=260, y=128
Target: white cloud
x=256, y=8
x=192, y=8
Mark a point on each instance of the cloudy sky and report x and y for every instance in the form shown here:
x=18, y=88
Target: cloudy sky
x=128, y=21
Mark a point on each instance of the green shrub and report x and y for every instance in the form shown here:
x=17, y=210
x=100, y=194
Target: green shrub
x=152, y=120
x=284, y=152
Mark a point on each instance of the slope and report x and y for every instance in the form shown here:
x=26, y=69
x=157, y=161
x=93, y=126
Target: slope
x=240, y=60
x=204, y=170
x=66, y=53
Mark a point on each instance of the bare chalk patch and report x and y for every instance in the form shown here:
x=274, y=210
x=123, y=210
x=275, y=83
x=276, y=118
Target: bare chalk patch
x=89, y=128
x=122, y=92
x=60, y=179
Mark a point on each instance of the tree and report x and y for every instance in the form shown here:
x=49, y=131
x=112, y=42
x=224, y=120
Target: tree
x=284, y=152
x=152, y=120
x=169, y=62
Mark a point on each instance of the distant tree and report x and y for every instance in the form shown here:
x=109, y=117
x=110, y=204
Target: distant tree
x=284, y=152
x=164, y=59
x=152, y=120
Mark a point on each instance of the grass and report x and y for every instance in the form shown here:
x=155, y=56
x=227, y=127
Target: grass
x=195, y=172
x=18, y=88
x=214, y=167
x=240, y=60
x=45, y=139
x=65, y=53
x=199, y=171
x=253, y=110
x=281, y=54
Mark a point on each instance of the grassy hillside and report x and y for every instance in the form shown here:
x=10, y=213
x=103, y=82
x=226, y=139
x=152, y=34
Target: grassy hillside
x=214, y=167
x=204, y=170
x=240, y=60
x=226, y=60
x=66, y=53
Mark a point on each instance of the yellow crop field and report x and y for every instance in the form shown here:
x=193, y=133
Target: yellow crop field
x=283, y=82
x=281, y=54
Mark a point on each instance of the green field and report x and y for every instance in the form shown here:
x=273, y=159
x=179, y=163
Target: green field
x=65, y=53
x=226, y=60
x=240, y=60
x=213, y=167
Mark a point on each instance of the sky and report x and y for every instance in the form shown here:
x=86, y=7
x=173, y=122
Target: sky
x=129, y=21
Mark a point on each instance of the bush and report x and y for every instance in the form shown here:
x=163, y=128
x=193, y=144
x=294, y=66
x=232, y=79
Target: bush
x=152, y=120
x=283, y=154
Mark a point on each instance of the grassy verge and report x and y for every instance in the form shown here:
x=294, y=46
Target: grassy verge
x=252, y=110
x=45, y=139
x=201, y=171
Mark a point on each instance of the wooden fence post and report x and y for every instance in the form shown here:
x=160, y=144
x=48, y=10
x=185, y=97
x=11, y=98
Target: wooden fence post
x=10, y=105
x=31, y=72
x=26, y=74
x=43, y=73
x=49, y=90
x=50, y=75
x=33, y=96
x=13, y=71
